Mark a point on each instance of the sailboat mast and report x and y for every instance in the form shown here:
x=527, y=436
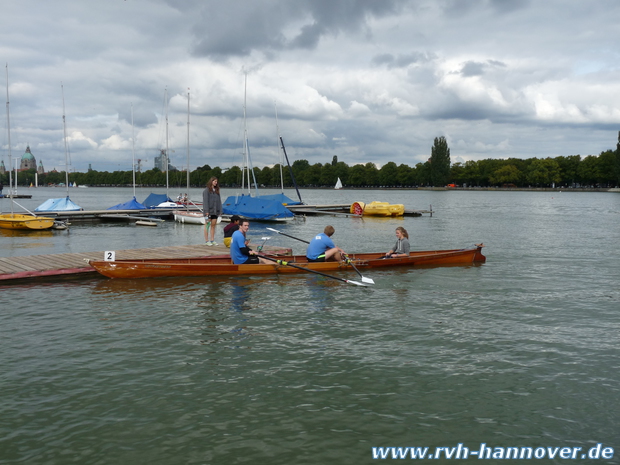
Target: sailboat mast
x=64, y=129
x=8, y=128
x=245, y=138
x=188, y=141
x=278, y=145
x=247, y=144
x=167, y=161
x=133, y=153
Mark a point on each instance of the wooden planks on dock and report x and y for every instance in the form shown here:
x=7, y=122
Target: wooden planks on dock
x=37, y=266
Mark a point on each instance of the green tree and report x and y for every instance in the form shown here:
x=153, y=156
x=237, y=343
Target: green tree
x=422, y=173
x=405, y=175
x=371, y=174
x=471, y=173
x=588, y=170
x=388, y=174
x=508, y=174
x=342, y=172
x=618, y=160
x=607, y=168
x=544, y=172
x=440, y=162
x=328, y=175
x=357, y=175
x=568, y=168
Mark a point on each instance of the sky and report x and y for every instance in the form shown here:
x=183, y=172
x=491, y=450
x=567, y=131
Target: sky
x=363, y=80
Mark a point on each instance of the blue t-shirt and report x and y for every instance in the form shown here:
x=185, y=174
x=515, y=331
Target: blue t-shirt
x=319, y=245
x=238, y=242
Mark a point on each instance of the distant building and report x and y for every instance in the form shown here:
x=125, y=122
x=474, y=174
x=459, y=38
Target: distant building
x=40, y=169
x=2, y=168
x=28, y=161
x=160, y=162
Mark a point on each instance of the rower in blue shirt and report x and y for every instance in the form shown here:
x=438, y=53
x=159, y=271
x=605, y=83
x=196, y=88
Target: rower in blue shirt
x=240, y=253
x=322, y=248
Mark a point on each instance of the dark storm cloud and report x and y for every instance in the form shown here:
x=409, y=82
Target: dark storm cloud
x=262, y=26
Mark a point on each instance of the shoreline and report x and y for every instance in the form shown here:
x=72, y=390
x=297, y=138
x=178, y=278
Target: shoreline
x=349, y=188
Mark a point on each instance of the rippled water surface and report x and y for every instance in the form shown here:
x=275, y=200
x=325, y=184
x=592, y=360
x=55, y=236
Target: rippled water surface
x=521, y=351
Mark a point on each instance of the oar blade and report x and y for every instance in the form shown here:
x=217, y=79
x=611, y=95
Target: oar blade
x=348, y=281
x=367, y=280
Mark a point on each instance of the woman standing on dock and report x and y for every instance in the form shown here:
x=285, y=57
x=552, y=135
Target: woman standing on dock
x=212, y=204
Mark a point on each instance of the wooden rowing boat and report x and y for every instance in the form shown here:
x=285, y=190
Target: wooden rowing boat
x=221, y=265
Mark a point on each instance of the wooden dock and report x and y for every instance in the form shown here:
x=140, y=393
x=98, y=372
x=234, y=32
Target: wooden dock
x=166, y=213
x=76, y=265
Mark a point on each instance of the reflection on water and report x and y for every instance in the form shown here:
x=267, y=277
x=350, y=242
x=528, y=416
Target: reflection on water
x=26, y=232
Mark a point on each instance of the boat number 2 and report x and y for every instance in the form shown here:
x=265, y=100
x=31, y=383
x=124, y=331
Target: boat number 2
x=109, y=256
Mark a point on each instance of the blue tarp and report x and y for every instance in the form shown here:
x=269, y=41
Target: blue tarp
x=255, y=208
x=155, y=199
x=283, y=199
x=132, y=204
x=58, y=205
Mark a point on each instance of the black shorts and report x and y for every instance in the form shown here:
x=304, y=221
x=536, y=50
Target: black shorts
x=320, y=258
x=213, y=217
x=252, y=260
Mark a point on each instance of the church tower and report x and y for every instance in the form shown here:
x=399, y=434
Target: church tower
x=28, y=161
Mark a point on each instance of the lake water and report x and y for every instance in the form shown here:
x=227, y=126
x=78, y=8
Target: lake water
x=519, y=352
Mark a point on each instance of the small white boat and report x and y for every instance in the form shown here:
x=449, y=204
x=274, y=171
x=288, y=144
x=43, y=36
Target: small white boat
x=189, y=217
x=146, y=223
x=169, y=205
x=338, y=184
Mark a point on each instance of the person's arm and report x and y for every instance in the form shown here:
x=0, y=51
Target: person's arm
x=205, y=202
x=392, y=250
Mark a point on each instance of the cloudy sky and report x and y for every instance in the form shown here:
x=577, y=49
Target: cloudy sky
x=366, y=80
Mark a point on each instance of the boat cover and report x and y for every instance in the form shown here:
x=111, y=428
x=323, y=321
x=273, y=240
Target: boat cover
x=283, y=199
x=257, y=208
x=155, y=199
x=132, y=204
x=58, y=205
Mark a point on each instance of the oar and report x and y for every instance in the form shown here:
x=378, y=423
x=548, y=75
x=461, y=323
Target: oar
x=350, y=262
x=364, y=279
x=285, y=263
x=292, y=237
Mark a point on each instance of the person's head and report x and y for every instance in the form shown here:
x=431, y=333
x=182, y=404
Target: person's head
x=329, y=230
x=234, y=219
x=213, y=185
x=244, y=225
x=401, y=232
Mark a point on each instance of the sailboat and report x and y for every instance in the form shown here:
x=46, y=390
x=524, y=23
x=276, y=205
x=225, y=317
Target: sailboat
x=247, y=206
x=338, y=184
x=15, y=220
x=61, y=204
x=132, y=204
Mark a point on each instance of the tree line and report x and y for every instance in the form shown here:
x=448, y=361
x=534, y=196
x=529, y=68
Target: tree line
x=601, y=170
